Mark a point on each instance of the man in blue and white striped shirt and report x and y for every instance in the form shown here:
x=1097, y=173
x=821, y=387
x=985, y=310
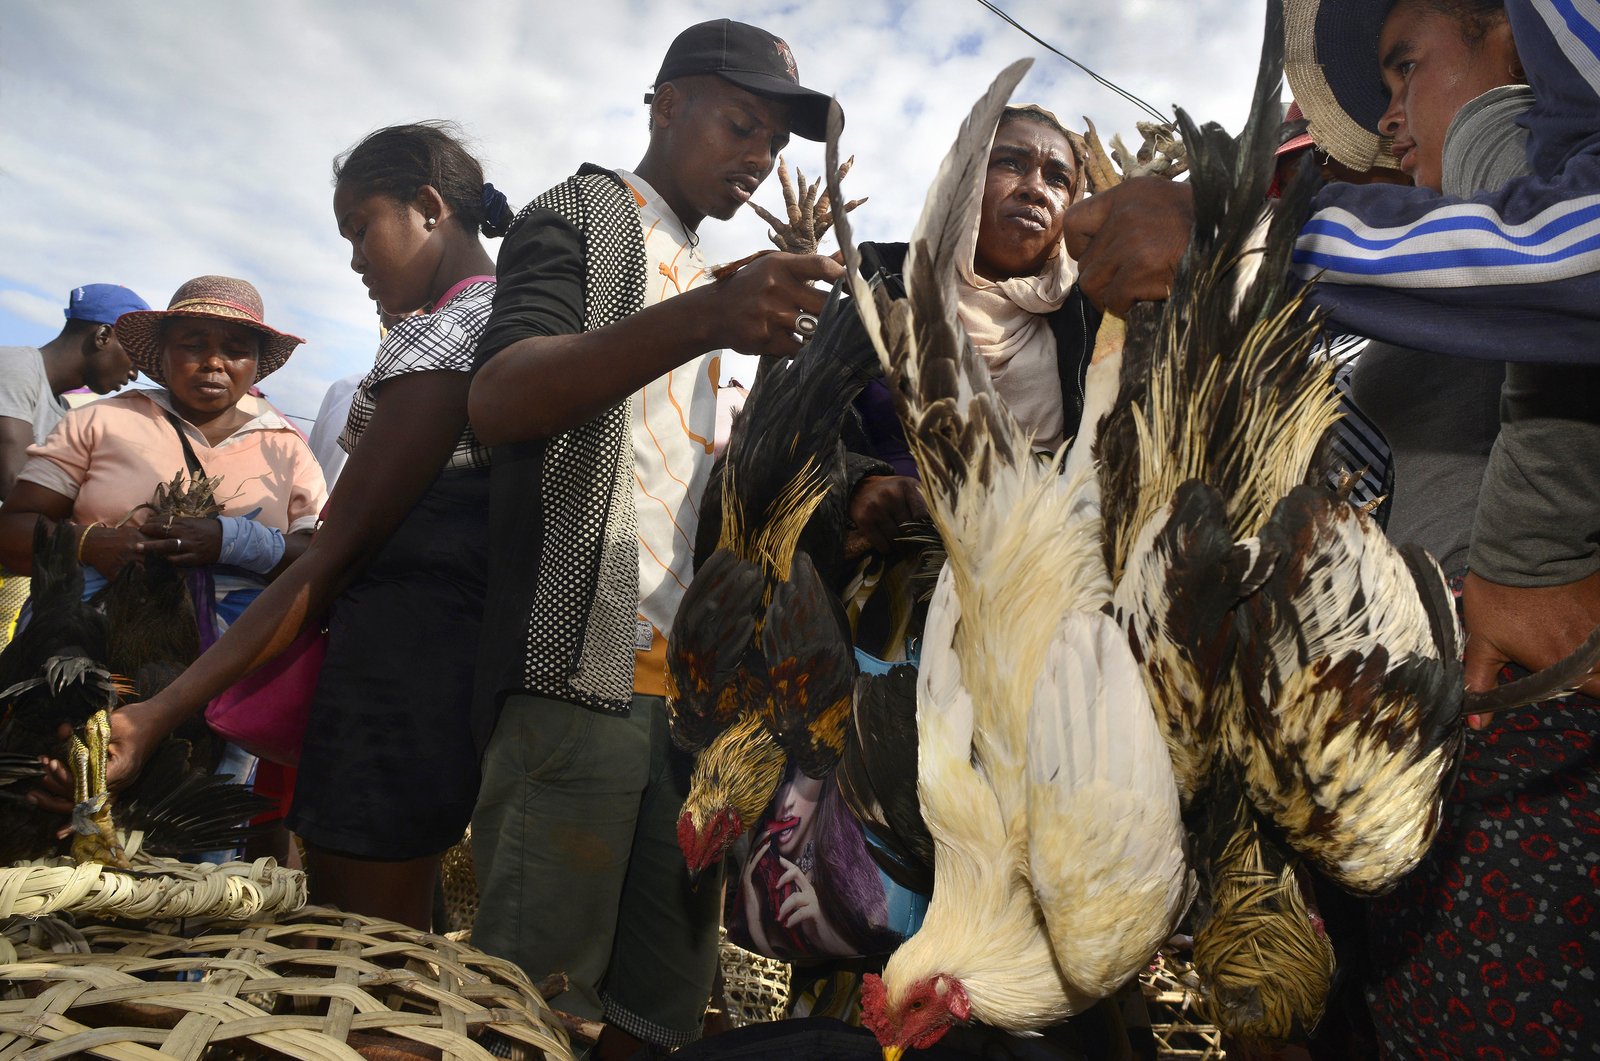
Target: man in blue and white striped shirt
x=1479, y=277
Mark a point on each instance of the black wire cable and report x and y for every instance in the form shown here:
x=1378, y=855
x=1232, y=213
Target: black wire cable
x=1125, y=94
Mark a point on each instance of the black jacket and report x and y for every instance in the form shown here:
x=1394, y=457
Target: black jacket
x=1074, y=324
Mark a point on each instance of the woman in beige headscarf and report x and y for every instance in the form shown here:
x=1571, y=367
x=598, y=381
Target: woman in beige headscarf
x=1018, y=301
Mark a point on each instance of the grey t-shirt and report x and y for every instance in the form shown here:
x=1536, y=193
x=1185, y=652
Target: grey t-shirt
x=25, y=392
x=1440, y=415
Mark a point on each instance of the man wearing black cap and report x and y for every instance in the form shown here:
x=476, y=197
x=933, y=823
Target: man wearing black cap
x=597, y=390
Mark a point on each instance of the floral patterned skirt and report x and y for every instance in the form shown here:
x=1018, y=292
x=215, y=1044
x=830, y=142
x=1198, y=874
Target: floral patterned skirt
x=1491, y=948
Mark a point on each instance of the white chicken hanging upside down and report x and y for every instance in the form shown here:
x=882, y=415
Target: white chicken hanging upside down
x=1059, y=865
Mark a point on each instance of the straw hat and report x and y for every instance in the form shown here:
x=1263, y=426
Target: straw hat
x=213, y=297
x=1332, y=66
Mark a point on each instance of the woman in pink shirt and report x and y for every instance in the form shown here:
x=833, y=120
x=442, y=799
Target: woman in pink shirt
x=105, y=459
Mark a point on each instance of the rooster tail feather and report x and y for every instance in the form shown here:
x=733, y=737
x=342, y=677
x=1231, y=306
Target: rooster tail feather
x=866, y=300
x=181, y=809
x=1560, y=677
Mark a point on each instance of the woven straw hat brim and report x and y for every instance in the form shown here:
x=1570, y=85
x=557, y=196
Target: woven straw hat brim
x=1342, y=107
x=139, y=333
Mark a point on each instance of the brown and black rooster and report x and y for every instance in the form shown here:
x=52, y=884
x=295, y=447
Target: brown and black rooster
x=760, y=663
x=1305, y=671
x=57, y=676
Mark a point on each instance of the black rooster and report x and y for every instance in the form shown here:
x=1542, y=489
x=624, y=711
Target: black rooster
x=56, y=678
x=760, y=663
x=878, y=777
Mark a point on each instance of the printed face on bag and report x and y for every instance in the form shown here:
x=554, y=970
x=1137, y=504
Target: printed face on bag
x=796, y=813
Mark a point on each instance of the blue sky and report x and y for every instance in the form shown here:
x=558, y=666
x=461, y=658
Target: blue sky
x=144, y=144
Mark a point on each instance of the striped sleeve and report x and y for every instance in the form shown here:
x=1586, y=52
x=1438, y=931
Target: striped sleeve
x=1512, y=274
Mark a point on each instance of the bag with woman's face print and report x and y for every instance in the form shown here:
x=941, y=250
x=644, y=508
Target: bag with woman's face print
x=803, y=883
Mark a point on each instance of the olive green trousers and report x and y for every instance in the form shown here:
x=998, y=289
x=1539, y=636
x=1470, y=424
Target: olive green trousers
x=575, y=844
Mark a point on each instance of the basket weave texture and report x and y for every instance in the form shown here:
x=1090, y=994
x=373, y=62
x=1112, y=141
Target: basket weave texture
x=459, y=878
x=158, y=889
x=318, y=985
x=1180, y=1033
x=755, y=988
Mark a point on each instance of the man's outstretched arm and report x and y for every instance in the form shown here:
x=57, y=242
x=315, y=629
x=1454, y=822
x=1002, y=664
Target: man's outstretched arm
x=541, y=374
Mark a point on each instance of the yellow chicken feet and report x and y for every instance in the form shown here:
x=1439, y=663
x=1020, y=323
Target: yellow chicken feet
x=96, y=839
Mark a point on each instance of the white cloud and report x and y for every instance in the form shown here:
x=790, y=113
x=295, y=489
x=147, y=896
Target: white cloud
x=32, y=308
x=148, y=143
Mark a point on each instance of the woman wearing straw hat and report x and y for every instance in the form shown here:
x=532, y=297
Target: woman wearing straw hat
x=206, y=349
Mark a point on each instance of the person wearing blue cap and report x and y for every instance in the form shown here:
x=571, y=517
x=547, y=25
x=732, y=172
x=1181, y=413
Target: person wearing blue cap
x=85, y=354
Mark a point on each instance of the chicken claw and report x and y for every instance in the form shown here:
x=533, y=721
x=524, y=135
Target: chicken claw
x=810, y=216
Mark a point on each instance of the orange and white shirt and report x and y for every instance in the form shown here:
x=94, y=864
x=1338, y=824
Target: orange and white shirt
x=674, y=432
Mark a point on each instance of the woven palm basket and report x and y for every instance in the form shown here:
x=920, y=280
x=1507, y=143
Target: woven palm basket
x=317, y=985
x=156, y=889
x=755, y=989
x=1170, y=995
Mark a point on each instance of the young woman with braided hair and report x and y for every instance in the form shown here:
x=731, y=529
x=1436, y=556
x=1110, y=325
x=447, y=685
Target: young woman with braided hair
x=388, y=775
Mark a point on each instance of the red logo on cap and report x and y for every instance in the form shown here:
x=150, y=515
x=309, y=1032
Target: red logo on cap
x=788, y=59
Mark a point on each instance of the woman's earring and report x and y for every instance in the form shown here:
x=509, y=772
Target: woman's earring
x=431, y=221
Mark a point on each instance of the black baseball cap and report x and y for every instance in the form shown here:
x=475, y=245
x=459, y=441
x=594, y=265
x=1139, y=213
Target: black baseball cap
x=753, y=59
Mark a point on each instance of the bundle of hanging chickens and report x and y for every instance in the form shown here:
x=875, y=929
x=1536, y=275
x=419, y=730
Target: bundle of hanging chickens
x=1165, y=649
x=60, y=679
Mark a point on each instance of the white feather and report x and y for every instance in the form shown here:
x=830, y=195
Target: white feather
x=1105, y=837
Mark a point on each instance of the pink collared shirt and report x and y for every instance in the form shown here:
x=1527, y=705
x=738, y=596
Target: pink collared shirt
x=109, y=455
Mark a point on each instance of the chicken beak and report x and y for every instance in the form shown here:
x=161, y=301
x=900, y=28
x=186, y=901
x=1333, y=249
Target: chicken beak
x=892, y=1053
x=694, y=878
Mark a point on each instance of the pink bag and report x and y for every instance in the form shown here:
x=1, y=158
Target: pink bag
x=266, y=713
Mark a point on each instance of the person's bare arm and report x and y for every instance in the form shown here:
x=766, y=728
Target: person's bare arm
x=15, y=438
x=198, y=542
x=543, y=385
x=107, y=549
x=1128, y=241
x=414, y=428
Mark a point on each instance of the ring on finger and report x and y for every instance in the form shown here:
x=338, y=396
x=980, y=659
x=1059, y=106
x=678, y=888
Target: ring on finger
x=805, y=324
x=179, y=541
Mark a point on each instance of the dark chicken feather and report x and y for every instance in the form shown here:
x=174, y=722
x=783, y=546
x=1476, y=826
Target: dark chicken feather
x=49, y=673
x=806, y=644
x=154, y=636
x=1261, y=952
x=788, y=434
x=718, y=620
x=760, y=638
x=62, y=623
x=150, y=632
x=1220, y=413
x=181, y=808
x=1176, y=603
x=151, y=617
x=878, y=777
